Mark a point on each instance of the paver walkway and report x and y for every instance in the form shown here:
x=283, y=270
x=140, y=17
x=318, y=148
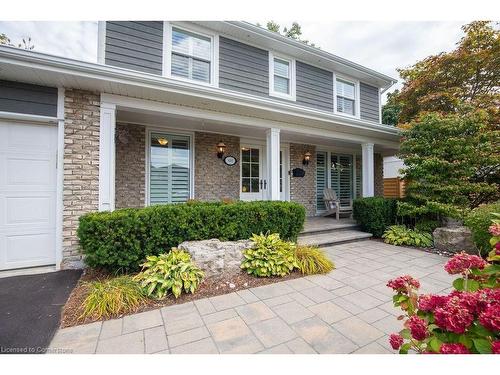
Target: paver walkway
x=347, y=311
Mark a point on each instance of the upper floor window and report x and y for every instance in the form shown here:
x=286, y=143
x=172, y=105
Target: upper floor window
x=346, y=97
x=191, y=56
x=281, y=77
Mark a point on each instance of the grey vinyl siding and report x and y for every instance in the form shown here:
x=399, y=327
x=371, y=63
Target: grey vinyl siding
x=136, y=45
x=314, y=87
x=29, y=99
x=369, y=102
x=243, y=68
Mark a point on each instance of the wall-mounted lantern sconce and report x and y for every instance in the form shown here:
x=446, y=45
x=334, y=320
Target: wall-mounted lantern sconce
x=307, y=157
x=221, y=147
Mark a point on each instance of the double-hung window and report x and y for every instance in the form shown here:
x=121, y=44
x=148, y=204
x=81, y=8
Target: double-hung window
x=191, y=56
x=281, y=77
x=346, y=97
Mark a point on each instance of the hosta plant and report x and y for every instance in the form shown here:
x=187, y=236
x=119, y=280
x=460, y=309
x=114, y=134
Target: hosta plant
x=401, y=235
x=269, y=256
x=172, y=272
x=467, y=320
x=112, y=297
x=311, y=260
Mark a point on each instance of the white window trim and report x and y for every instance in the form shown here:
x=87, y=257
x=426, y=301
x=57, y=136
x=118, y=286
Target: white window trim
x=292, y=95
x=149, y=130
x=167, y=52
x=357, y=106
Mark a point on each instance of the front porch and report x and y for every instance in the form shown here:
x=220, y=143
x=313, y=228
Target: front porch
x=152, y=156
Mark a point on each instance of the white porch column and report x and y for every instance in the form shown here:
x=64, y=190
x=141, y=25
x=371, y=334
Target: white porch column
x=273, y=164
x=107, y=157
x=368, y=169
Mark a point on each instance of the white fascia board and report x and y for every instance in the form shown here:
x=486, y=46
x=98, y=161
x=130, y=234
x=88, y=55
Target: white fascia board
x=32, y=60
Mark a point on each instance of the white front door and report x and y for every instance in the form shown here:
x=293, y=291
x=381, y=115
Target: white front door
x=27, y=194
x=253, y=184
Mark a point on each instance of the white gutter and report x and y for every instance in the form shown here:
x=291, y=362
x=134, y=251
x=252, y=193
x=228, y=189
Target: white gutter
x=35, y=60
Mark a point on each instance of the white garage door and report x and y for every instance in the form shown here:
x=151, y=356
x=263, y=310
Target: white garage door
x=27, y=194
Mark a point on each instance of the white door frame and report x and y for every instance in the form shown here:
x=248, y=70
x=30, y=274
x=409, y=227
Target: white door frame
x=261, y=195
x=285, y=169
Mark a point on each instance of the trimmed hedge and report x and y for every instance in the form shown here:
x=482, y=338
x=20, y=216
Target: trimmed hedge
x=375, y=214
x=478, y=221
x=121, y=240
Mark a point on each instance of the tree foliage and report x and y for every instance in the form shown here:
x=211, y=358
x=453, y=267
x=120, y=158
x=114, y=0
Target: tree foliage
x=391, y=109
x=293, y=32
x=26, y=43
x=468, y=76
x=452, y=163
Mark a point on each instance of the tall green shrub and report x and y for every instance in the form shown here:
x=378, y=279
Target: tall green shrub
x=375, y=214
x=478, y=221
x=122, y=239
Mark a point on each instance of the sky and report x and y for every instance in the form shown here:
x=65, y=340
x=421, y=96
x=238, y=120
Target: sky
x=380, y=45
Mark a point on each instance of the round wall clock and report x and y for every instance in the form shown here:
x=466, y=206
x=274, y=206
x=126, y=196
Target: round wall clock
x=230, y=160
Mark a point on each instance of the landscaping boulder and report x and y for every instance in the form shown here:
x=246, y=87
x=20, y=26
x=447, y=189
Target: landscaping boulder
x=454, y=239
x=216, y=257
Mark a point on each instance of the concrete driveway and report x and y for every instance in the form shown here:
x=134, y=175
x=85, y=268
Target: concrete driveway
x=347, y=311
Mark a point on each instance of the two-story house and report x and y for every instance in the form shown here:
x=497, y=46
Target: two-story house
x=173, y=111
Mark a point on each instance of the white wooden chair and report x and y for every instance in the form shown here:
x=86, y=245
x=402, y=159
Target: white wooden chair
x=334, y=206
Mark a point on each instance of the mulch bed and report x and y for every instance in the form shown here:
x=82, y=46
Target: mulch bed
x=209, y=287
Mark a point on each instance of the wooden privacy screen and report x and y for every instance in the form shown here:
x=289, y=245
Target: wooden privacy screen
x=394, y=188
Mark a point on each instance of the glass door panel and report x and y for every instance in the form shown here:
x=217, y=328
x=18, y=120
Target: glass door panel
x=252, y=181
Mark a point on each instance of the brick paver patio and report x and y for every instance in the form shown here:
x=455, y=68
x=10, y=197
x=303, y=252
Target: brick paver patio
x=347, y=311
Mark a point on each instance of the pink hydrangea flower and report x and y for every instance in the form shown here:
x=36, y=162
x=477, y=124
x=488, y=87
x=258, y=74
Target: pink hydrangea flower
x=494, y=229
x=418, y=327
x=403, y=283
x=487, y=298
x=495, y=347
x=468, y=300
x=429, y=302
x=463, y=262
x=490, y=318
x=396, y=341
x=453, y=316
x=453, y=349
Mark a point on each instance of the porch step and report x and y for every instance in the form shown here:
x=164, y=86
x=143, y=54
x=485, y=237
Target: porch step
x=333, y=237
x=327, y=227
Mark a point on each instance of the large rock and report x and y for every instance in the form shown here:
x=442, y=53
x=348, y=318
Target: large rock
x=216, y=257
x=454, y=239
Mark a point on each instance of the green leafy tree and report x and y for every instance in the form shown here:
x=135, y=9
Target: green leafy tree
x=391, y=109
x=26, y=43
x=452, y=164
x=293, y=32
x=468, y=76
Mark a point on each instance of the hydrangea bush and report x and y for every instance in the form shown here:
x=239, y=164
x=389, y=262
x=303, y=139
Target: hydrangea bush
x=467, y=320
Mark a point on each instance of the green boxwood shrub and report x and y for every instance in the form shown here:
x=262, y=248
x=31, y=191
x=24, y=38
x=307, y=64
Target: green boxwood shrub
x=121, y=240
x=375, y=214
x=478, y=221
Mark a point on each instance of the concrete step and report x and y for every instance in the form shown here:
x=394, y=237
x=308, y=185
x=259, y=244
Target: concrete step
x=327, y=228
x=334, y=237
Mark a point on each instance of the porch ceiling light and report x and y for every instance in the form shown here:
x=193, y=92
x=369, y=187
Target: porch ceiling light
x=221, y=147
x=307, y=158
x=162, y=141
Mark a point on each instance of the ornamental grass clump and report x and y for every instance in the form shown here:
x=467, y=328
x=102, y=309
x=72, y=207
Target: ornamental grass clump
x=173, y=272
x=311, y=260
x=467, y=320
x=112, y=297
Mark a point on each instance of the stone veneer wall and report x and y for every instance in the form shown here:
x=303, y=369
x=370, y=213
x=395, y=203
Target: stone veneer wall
x=130, y=170
x=214, y=180
x=378, y=173
x=81, y=166
x=303, y=189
